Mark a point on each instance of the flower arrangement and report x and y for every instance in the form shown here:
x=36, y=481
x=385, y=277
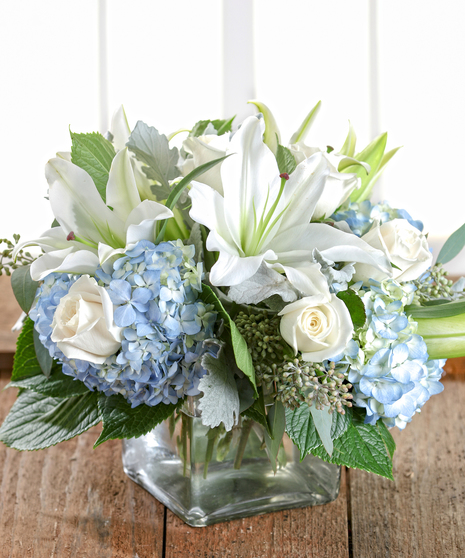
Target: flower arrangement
x=256, y=276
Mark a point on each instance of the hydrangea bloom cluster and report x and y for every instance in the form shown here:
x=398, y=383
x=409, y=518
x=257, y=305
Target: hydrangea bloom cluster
x=155, y=292
x=389, y=366
x=361, y=216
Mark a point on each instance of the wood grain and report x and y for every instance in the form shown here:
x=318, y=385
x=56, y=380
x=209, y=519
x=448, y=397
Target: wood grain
x=422, y=513
x=317, y=532
x=70, y=501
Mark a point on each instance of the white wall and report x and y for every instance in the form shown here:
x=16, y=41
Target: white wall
x=393, y=65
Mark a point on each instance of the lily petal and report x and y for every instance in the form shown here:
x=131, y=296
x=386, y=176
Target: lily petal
x=122, y=193
x=67, y=261
x=78, y=206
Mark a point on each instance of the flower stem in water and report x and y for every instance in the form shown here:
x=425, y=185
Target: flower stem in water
x=245, y=431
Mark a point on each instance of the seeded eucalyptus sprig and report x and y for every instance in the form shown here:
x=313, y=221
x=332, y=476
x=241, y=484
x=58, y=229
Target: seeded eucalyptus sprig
x=432, y=285
x=7, y=265
x=292, y=380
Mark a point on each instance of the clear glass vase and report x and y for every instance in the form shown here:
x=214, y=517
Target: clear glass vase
x=206, y=475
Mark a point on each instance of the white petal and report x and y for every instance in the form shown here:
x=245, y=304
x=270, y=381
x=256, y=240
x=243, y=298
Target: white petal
x=333, y=244
x=303, y=190
x=248, y=176
x=208, y=209
x=338, y=188
x=65, y=261
x=107, y=255
x=119, y=128
x=308, y=279
x=141, y=222
x=122, y=193
x=77, y=205
x=231, y=270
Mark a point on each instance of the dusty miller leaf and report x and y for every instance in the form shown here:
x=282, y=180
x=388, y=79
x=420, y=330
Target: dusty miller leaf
x=264, y=284
x=220, y=402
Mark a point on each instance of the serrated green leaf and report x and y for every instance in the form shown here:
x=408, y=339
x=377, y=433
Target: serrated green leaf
x=453, y=246
x=121, y=421
x=24, y=288
x=285, y=159
x=94, y=154
x=37, y=421
x=25, y=362
x=301, y=428
x=221, y=126
x=303, y=129
x=373, y=155
x=42, y=354
x=362, y=446
x=387, y=437
x=56, y=385
x=239, y=345
x=179, y=188
x=355, y=306
x=152, y=148
x=277, y=423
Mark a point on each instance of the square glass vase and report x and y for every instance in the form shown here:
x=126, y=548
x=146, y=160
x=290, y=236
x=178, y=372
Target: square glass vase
x=207, y=475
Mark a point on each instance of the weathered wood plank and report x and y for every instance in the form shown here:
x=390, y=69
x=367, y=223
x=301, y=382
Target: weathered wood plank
x=316, y=532
x=422, y=513
x=71, y=501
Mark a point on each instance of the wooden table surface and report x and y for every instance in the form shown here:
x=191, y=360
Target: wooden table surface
x=72, y=501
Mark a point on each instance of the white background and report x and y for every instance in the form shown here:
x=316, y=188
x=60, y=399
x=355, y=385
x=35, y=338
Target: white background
x=395, y=66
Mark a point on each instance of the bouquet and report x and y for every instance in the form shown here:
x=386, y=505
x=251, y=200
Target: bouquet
x=253, y=274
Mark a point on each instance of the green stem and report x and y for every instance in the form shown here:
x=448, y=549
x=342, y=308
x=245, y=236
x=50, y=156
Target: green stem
x=184, y=434
x=245, y=431
x=209, y=453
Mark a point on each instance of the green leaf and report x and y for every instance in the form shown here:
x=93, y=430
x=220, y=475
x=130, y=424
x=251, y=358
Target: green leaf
x=445, y=310
x=121, y=421
x=25, y=362
x=152, y=148
x=453, y=246
x=301, y=428
x=221, y=126
x=387, y=437
x=373, y=155
x=239, y=345
x=220, y=401
x=348, y=148
x=285, y=159
x=303, y=129
x=355, y=306
x=43, y=356
x=362, y=446
x=94, y=154
x=257, y=413
x=277, y=422
x=180, y=186
x=24, y=288
x=56, y=385
x=37, y=421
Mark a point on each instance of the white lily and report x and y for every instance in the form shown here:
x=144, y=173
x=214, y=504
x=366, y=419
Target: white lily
x=204, y=149
x=263, y=218
x=120, y=130
x=90, y=232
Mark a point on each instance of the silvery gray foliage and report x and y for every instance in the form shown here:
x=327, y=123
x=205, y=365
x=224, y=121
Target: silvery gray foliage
x=337, y=278
x=458, y=288
x=220, y=402
x=195, y=239
x=264, y=284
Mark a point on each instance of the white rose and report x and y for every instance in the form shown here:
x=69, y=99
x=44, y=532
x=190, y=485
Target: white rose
x=83, y=325
x=317, y=326
x=404, y=245
x=203, y=150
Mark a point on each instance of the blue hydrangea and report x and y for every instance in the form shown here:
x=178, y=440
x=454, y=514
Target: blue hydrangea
x=389, y=364
x=361, y=216
x=166, y=326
